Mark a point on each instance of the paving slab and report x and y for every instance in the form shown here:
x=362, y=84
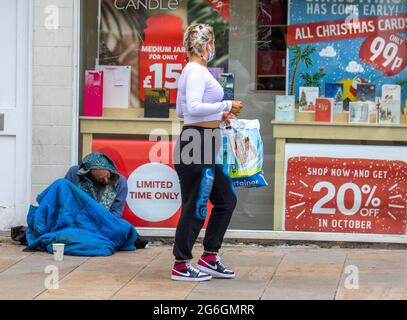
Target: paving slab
x=252, y=265
x=26, y=279
x=220, y=289
x=312, y=274
x=372, y=293
x=101, y=278
x=380, y=275
x=10, y=255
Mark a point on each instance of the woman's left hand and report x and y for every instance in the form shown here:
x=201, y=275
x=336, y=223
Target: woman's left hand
x=227, y=116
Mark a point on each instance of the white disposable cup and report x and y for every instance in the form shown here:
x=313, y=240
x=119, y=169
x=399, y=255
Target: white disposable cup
x=58, y=249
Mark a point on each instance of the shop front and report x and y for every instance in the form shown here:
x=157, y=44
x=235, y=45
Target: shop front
x=326, y=80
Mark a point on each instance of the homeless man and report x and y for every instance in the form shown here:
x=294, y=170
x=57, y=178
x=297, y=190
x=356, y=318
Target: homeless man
x=87, y=208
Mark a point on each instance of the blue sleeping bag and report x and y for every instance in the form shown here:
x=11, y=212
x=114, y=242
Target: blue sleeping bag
x=68, y=215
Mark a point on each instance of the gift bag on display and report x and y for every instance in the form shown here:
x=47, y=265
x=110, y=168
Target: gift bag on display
x=243, y=153
x=93, y=94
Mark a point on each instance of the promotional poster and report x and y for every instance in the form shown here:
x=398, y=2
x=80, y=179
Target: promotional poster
x=346, y=189
x=347, y=42
x=154, y=192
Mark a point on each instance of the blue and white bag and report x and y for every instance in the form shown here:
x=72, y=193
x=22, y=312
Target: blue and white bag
x=243, y=153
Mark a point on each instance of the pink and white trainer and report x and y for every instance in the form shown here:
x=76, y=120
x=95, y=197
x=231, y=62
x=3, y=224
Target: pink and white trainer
x=186, y=272
x=213, y=265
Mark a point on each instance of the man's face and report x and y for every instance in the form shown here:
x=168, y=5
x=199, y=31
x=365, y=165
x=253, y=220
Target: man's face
x=100, y=176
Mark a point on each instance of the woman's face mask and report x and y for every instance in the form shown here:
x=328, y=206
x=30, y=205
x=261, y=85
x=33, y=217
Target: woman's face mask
x=211, y=55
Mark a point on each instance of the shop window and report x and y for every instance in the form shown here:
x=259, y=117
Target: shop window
x=271, y=44
x=149, y=40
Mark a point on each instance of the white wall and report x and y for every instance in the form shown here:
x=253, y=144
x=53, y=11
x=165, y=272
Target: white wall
x=53, y=94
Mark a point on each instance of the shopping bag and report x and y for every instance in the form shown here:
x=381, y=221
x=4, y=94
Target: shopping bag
x=243, y=153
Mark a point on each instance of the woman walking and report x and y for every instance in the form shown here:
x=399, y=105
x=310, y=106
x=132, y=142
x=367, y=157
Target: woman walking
x=202, y=178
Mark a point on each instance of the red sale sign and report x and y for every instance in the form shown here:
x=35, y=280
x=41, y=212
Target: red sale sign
x=154, y=193
x=346, y=195
x=386, y=52
x=162, y=55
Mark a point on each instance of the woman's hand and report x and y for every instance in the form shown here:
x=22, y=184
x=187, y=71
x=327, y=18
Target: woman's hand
x=236, y=108
x=227, y=116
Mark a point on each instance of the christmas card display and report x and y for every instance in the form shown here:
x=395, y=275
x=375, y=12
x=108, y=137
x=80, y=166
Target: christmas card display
x=285, y=108
x=390, y=112
x=227, y=81
x=335, y=91
x=324, y=109
x=359, y=112
x=307, y=98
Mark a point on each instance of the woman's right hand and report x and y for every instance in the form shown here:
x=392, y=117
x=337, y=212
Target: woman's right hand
x=236, y=107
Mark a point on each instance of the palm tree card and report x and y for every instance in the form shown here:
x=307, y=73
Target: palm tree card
x=335, y=91
x=307, y=98
x=285, y=108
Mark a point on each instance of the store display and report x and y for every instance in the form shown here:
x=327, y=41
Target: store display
x=116, y=86
x=390, y=112
x=324, y=109
x=359, y=112
x=307, y=98
x=156, y=103
x=93, y=94
x=335, y=91
x=227, y=81
x=323, y=49
x=285, y=108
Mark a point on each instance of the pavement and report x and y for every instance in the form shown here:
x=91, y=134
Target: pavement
x=263, y=272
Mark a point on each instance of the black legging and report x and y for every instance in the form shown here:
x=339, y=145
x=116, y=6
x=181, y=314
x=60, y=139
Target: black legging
x=201, y=182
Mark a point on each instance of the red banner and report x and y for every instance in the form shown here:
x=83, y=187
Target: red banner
x=338, y=30
x=223, y=7
x=346, y=195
